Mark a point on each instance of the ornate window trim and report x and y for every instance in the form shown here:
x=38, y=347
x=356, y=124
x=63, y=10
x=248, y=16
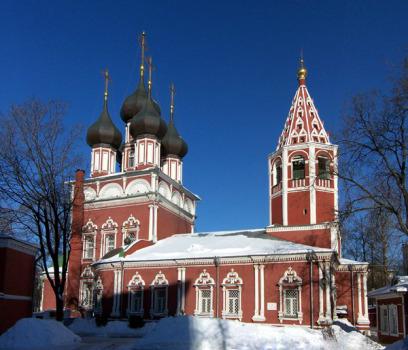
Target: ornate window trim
x=109, y=228
x=129, y=227
x=136, y=285
x=98, y=290
x=290, y=281
x=202, y=284
x=158, y=284
x=89, y=230
x=86, y=288
x=232, y=282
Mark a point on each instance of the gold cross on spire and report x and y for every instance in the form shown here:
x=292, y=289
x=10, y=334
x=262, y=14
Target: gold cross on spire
x=107, y=80
x=142, y=42
x=172, y=93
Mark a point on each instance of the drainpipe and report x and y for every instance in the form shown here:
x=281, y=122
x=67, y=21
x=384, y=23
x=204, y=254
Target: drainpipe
x=350, y=267
x=309, y=258
x=217, y=285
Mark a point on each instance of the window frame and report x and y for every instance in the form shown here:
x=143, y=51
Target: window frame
x=290, y=281
x=301, y=160
x=325, y=174
x=204, y=283
x=158, y=284
x=232, y=282
x=135, y=285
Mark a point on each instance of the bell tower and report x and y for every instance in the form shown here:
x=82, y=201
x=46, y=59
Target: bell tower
x=302, y=178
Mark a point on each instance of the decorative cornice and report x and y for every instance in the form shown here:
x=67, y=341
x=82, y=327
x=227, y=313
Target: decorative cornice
x=16, y=244
x=324, y=226
x=241, y=260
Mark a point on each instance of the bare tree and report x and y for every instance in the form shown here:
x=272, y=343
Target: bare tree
x=37, y=159
x=374, y=151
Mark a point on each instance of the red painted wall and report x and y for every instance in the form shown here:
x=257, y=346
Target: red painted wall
x=324, y=207
x=316, y=238
x=298, y=208
x=276, y=204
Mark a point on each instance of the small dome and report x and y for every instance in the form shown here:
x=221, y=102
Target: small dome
x=104, y=131
x=172, y=143
x=148, y=121
x=135, y=102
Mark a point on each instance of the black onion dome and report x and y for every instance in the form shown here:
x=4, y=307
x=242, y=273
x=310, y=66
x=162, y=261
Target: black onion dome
x=148, y=121
x=104, y=131
x=135, y=102
x=172, y=143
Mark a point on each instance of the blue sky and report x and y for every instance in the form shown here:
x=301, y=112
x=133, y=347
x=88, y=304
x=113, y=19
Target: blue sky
x=234, y=66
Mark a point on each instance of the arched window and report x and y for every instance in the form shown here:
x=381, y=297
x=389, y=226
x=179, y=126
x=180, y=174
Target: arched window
x=131, y=160
x=109, y=230
x=98, y=296
x=232, y=290
x=324, y=168
x=290, y=291
x=130, y=230
x=204, y=286
x=159, y=293
x=277, y=173
x=135, y=295
x=298, y=164
x=88, y=240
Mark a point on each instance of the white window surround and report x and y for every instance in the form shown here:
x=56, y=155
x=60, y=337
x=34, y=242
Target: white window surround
x=158, y=286
x=204, y=286
x=109, y=228
x=98, y=289
x=88, y=244
x=86, y=287
x=88, y=230
x=232, y=292
x=289, y=281
x=130, y=227
x=136, y=291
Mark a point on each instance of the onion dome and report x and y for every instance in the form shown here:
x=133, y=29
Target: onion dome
x=103, y=131
x=172, y=142
x=135, y=102
x=148, y=120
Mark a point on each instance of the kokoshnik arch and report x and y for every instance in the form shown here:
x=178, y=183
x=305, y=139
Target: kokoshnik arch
x=135, y=252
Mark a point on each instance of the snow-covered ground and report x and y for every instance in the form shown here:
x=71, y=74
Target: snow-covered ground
x=34, y=333
x=182, y=333
x=114, y=329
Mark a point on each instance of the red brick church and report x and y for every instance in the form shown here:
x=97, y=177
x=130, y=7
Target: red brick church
x=135, y=250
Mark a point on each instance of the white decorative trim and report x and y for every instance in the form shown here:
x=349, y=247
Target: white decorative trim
x=159, y=281
x=204, y=282
x=324, y=226
x=136, y=284
x=98, y=289
x=232, y=282
x=294, y=282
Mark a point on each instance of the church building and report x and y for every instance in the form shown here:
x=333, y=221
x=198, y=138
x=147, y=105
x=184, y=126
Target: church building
x=134, y=249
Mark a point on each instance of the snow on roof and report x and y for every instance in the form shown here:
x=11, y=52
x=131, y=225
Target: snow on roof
x=401, y=286
x=216, y=244
x=344, y=261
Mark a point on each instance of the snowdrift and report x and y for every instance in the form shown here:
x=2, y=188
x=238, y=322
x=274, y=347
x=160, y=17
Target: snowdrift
x=185, y=333
x=114, y=329
x=34, y=333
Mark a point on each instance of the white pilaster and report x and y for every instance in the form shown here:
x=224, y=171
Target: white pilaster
x=117, y=291
x=256, y=311
x=321, y=302
x=359, y=295
x=312, y=185
x=285, y=186
x=336, y=182
x=262, y=311
x=151, y=222
x=365, y=295
x=328, y=302
x=155, y=223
